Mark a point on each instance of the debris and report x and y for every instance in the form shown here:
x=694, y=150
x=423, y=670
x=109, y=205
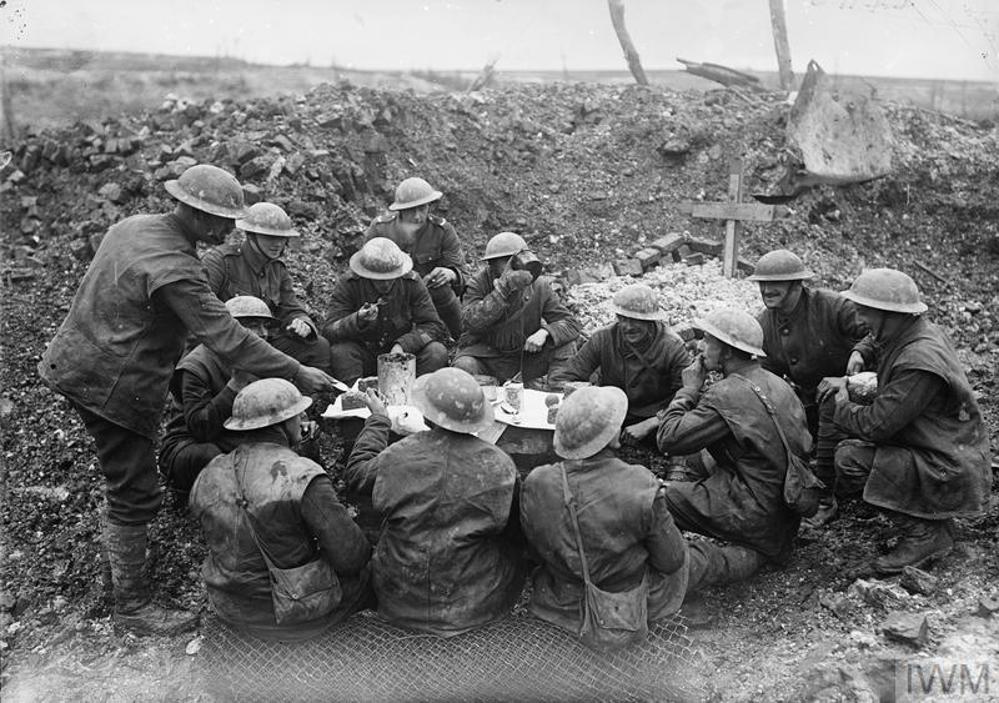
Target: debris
x=912, y=628
x=879, y=593
x=987, y=606
x=918, y=581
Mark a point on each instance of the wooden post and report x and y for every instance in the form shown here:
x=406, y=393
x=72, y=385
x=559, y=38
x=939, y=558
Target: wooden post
x=634, y=62
x=733, y=228
x=6, y=109
x=779, y=24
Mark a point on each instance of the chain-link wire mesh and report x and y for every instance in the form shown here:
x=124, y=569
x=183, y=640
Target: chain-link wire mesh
x=518, y=658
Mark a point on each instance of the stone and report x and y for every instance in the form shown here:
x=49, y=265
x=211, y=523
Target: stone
x=987, y=606
x=669, y=243
x=705, y=246
x=912, y=628
x=283, y=142
x=648, y=257
x=112, y=192
x=837, y=603
x=252, y=194
x=255, y=167
x=878, y=593
x=918, y=581
x=628, y=267
x=695, y=259
x=81, y=249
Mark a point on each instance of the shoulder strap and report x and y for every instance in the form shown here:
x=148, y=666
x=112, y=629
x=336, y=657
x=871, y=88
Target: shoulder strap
x=243, y=504
x=571, y=503
x=770, y=410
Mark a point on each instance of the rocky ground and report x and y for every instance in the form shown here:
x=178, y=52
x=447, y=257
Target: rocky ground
x=588, y=174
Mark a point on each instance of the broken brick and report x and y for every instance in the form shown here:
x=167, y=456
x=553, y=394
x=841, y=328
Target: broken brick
x=628, y=267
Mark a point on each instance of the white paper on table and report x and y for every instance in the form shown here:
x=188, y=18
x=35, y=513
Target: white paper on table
x=533, y=412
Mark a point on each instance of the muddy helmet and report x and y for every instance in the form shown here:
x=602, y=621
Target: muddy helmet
x=414, y=192
x=504, y=244
x=780, y=265
x=248, y=306
x=639, y=302
x=886, y=289
x=380, y=259
x=588, y=420
x=209, y=189
x=453, y=399
x=269, y=219
x=264, y=403
x=735, y=328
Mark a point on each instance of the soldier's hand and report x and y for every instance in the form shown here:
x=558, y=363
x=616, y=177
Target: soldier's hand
x=693, y=375
x=368, y=312
x=855, y=363
x=537, y=340
x=311, y=381
x=397, y=349
x=375, y=402
x=440, y=276
x=513, y=280
x=833, y=386
x=300, y=327
x=632, y=434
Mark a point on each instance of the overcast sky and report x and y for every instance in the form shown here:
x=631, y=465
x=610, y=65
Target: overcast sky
x=956, y=39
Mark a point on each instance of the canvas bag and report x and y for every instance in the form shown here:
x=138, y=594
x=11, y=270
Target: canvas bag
x=301, y=593
x=801, y=486
x=611, y=621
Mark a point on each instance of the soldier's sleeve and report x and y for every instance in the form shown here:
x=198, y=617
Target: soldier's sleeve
x=362, y=467
x=666, y=546
x=341, y=541
x=204, y=409
x=771, y=362
x=427, y=325
x=687, y=426
x=481, y=308
x=341, y=317
x=208, y=320
x=290, y=307
x=562, y=325
x=214, y=264
x=581, y=366
x=453, y=256
x=897, y=404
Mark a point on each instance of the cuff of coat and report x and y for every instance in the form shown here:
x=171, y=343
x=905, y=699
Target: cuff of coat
x=412, y=342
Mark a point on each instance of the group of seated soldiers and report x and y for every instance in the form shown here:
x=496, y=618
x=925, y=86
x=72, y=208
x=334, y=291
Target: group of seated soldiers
x=461, y=530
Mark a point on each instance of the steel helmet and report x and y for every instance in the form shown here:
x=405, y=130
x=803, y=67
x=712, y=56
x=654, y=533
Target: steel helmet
x=264, y=403
x=588, y=420
x=886, y=289
x=248, y=306
x=414, y=192
x=638, y=302
x=504, y=244
x=780, y=265
x=380, y=259
x=735, y=328
x=267, y=218
x=209, y=189
x=453, y=399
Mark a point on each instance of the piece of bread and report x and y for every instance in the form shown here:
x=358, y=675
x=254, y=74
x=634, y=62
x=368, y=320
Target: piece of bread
x=352, y=400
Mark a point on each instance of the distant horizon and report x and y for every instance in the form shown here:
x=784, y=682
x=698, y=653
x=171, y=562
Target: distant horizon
x=623, y=70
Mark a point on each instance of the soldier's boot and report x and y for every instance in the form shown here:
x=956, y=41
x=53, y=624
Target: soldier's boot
x=921, y=541
x=827, y=512
x=134, y=609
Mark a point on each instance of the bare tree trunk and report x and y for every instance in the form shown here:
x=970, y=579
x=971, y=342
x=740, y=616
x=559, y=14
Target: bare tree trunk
x=485, y=75
x=779, y=24
x=634, y=62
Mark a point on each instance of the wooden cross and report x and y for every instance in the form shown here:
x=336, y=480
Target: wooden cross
x=734, y=212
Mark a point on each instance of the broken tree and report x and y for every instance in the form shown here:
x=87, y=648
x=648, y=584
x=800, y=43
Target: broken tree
x=634, y=62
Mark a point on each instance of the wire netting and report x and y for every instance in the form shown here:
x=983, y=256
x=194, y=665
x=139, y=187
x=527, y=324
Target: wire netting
x=518, y=658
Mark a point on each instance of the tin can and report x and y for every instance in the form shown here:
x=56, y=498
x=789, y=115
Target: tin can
x=514, y=394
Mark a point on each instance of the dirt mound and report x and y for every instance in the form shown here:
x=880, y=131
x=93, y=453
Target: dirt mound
x=587, y=173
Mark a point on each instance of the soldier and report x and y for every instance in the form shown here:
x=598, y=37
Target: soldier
x=450, y=554
x=921, y=450
x=115, y=353
x=514, y=323
x=808, y=334
x=254, y=267
x=202, y=390
x=740, y=499
x=381, y=306
x=628, y=533
x=639, y=354
x=266, y=527
x=431, y=242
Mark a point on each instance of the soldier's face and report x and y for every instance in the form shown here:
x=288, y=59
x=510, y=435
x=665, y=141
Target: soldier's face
x=780, y=295
x=214, y=229
x=635, y=331
x=271, y=247
x=260, y=326
x=414, y=215
x=713, y=352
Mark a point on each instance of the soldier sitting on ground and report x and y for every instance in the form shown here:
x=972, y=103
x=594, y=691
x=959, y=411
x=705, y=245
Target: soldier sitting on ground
x=267, y=528
x=254, y=267
x=808, y=333
x=450, y=554
x=921, y=450
x=639, y=354
x=514, y=323
x=380, y=306
x=629, y=537
x=740, y=498
x=431, y=243
x=202, y=390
